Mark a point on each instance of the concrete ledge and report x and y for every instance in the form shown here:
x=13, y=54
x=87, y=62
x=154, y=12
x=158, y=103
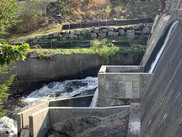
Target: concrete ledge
x=119, y=69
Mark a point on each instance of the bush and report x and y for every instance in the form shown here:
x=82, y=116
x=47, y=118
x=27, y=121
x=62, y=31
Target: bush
x=104, y=49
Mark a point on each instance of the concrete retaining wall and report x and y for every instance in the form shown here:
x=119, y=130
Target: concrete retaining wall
x=23, y=117
x=39, y=123
x=115, y=86
x=33, y=72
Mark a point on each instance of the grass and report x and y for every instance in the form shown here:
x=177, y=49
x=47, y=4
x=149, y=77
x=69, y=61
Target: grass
x=50, y=53
x=42, y=31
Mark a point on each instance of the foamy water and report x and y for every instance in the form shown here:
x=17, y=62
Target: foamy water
x=95, y=99
x=53, y=90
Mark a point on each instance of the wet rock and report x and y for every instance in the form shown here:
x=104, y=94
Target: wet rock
x=74, y=126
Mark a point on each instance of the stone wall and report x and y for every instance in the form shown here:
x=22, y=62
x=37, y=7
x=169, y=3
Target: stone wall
x=95, y=33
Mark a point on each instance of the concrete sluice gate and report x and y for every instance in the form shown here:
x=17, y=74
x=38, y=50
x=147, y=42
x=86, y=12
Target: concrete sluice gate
x=153, y=90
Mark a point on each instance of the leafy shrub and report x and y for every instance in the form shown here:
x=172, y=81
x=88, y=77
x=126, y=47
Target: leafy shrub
x=104, y=49
x=8, y=54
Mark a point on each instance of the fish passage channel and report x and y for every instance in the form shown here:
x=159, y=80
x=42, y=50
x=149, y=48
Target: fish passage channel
x=53, y=90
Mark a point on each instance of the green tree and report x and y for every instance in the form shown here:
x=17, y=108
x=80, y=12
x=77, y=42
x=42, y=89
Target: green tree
x=8, y=54
x=8, y=15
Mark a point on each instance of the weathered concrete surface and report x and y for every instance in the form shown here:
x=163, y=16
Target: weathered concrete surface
x=115, y=86
x=39, y=123
x=162, y=26
x=157, y=38
x=162, y=103
x=119, y=68
x=23, y=117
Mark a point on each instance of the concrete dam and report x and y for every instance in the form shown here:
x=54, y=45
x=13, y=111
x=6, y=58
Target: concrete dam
x=146, y=98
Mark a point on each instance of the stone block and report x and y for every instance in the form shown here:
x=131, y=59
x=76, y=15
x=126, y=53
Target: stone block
x=78, y=32
x=110, y=33
x=131, y=33
x=115, y=33
x=93, y=35
x=122, y=32
x=73, y=32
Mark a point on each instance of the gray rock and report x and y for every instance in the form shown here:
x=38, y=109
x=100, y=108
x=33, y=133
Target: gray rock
x=96, y=30
x=131, y=33
x=146, y=30
x=78, y=32
x=72, y=32
x=55, y=34
x=45, y=36
x=104, y=30
x=110, y=33
x=122, y=32
x=72, y=36
x=93, y=35
x=102, y=35
x=115, y=33
x=74, y=126
x=139, y=27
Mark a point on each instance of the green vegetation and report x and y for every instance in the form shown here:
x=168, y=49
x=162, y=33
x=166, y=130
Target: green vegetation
x=41, y=31
x=8, y=16
x=76, y=10
x=30, y=16
x=8, y=54
x=104, y=49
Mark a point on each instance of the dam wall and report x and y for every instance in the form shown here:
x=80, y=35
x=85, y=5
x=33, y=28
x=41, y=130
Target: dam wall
x=157, y=38
x=161, y=103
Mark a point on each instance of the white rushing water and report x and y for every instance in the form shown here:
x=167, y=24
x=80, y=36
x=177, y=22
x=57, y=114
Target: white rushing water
x=95, y=99
x=53, y=90
x=163, y=46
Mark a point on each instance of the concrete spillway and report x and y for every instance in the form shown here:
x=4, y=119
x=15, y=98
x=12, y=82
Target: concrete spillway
x=162, y=48
x=161, y=102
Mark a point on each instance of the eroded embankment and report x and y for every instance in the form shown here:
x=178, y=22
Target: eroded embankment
x=161, y=103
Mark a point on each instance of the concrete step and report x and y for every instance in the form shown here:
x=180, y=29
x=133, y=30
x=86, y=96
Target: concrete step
x=25, y=133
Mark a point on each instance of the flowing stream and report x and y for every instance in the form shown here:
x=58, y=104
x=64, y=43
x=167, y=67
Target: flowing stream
x=162, y=49
x=53, y=90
